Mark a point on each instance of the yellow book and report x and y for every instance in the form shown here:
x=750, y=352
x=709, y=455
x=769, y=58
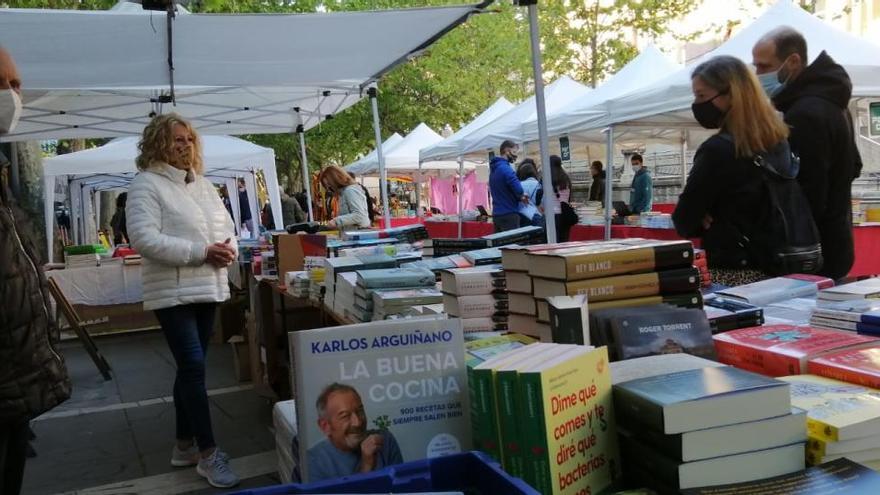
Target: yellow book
x=836, y=411
x=572, y=439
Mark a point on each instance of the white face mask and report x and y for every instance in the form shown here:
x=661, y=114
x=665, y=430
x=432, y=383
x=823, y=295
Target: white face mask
x=10, y=110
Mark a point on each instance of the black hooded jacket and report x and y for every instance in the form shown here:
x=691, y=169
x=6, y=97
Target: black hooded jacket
x=815, y=108
x=730, y=190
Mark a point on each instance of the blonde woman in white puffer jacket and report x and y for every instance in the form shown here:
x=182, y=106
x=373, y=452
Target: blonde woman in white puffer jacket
x=177, y=222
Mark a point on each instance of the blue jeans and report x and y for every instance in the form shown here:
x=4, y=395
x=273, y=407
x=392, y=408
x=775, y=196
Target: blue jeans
x=188, y=329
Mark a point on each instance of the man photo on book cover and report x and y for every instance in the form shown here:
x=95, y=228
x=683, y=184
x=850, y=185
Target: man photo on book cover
x=350, y=447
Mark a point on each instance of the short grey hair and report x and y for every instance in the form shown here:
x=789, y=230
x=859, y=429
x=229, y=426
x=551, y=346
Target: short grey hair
x=321, y=403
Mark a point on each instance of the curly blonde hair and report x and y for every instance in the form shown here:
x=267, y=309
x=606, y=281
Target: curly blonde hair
x=157, y=143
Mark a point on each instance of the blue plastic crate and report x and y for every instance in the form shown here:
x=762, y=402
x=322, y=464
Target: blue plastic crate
x=473, y=471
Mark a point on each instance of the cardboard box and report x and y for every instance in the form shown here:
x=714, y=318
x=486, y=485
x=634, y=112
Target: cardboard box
x=291, y=250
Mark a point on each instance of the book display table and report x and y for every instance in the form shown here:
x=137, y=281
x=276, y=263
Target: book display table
x=867, y=242
x=469, y=230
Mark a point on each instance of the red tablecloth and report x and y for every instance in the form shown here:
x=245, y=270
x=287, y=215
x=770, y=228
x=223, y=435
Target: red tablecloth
x=867, y=242
x=450, y=229
x=403, y=221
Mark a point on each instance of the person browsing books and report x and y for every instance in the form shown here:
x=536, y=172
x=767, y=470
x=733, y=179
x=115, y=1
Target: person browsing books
x=349, y=448
x=353, y=209
x=724, y=194
x=814, y=99
x=641, y=189
x=565, y=214
x=177, y=222
x=527, y=173
x=34, y=375
x=597, y=187
x=507, y=192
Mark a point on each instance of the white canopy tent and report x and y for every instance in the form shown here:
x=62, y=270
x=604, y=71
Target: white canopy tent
x=403, y=157
x=509, y=125
x=93, y=74
x=112, y=166
x=666, y=103
x=451, y=146
x=357, y=166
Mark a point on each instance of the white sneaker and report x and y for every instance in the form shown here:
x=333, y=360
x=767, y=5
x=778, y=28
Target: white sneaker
x=190, y=456
x=216, y=470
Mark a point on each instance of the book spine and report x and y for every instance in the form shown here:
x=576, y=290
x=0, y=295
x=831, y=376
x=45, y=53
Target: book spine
x=834, y=371
x=534, y=433
x=648, y=459
x=669, y=445
x=512, y=441
x=638, y=409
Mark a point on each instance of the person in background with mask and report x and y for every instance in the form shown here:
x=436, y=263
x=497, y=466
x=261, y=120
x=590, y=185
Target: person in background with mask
x=814, y=99
x=507, y=192
x=724, y=193
x=597, y=187
x=353, y=208
x=641, y=190
x=33, y=376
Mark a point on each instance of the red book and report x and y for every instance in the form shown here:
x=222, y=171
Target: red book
x=858, y=366
x=780, y=350
x=820, y=281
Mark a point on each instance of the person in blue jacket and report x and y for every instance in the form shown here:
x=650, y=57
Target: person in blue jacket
x=640, y=194
x=507, y=192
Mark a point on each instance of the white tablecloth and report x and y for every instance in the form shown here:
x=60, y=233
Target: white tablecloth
x=101, y=285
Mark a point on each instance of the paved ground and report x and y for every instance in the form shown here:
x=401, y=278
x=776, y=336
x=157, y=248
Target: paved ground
x=123, y=429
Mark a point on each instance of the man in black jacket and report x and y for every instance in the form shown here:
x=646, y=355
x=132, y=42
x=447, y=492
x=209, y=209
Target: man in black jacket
x=33, y=377
x=814, y=99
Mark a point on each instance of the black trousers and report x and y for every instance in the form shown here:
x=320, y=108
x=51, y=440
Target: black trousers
x=13, y=451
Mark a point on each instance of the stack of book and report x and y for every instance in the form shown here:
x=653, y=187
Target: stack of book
x=702, y=264
x=523, y=312
x=620, y=273
x=344, y=300
x=132, y=259
x=479, y=350
x=297, y=283
x=407, y=233
x=487, y=256
x=335, y=266
x=336, y=246
x=397, y=279
x=863, y=289
x=727, y=314
x=650, y=330
x=444, y=247
x=708, y=426
x=388, y=304
x=545, y=411
x=478, y=296
x=780, y=350
x=81, y=260
x=389, y=249
x=268, y=264
x=795, y=311
x=857, y=315
x=437, y=265
x=843, y=420
x=778, y=289
x=590, y=213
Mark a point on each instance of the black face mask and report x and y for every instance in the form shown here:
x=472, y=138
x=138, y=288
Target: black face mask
x=511, y=158
x=707, y=114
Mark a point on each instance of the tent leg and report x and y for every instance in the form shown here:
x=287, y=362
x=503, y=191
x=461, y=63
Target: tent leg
x=418, y=185
x=380, y=155
x=609, y=180
x=549, y=199
x=305, y=171
x=684, y=175
x=460, y=194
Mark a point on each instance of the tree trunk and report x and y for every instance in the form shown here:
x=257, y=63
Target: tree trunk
x=108, y=208
x=30, y=199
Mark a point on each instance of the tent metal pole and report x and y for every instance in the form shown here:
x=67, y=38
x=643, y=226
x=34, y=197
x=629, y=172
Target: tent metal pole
x=684, y=175
x=538, y=73
x=300, y=130
x=609, y=179
x=460, y=193
x=380, y=156
x=419, y=191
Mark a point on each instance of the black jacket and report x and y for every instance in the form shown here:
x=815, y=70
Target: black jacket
x=730, y=190
x=815, y=107
x=33, y=377
x=597, y=188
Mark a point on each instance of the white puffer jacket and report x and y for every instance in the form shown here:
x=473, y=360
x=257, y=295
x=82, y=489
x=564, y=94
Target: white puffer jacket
x=171, y=224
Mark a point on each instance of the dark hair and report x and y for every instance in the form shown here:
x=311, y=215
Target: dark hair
x=351, y=174
x=527, y=169
x=789, y=41
x=121, y=199
x=560, y=178
x=506, y=145
x=637, y=157
x=596, y=164
x=321, y=403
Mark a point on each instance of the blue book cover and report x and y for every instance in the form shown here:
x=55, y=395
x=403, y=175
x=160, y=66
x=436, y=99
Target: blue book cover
x=697, y=384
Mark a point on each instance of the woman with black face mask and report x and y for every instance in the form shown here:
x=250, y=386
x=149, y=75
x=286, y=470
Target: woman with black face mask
x=724, y=194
